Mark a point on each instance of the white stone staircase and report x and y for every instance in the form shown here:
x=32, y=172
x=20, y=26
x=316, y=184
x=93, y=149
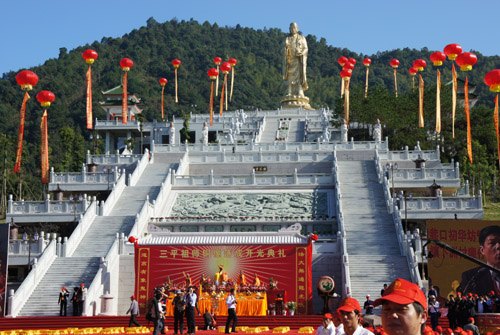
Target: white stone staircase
x=372, y=245
x=296, y=131
x=269, y=132
x=84, y=264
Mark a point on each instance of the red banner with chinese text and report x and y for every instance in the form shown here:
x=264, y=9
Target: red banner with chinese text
x=467, y=116
x=446, y=268
x=124, y=99
x=89, y=98
x=44, y=148
x=22, y=113
x=290, y=265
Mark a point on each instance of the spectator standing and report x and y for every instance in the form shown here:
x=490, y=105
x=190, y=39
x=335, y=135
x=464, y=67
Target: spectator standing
x=231, y=312
x=156, y=313
x=327, y=327
x=383, y=290
x=350, y=315
x=191, y=300
x=368, y=306
x=471, y=326
x=63, y=301
x=434, y=311
x=404, y=309
x=179, y=307
x=74, y=301
x=134, y=311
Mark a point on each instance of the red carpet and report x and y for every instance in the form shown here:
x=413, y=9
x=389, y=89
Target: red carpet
x=294, y=322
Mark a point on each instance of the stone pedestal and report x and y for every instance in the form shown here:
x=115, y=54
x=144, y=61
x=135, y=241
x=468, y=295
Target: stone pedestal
x=106, y=304
x=294, y=101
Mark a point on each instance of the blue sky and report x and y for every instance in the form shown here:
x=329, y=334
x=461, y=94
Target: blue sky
x=32, y=31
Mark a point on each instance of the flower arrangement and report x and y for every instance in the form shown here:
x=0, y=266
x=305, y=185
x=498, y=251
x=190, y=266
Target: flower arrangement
x=291, y=305
x=272, y=307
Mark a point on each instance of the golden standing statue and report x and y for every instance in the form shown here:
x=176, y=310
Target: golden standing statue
x=294, y=70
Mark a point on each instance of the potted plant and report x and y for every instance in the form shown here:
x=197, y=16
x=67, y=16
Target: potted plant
x=291, y=306
x=272, y=309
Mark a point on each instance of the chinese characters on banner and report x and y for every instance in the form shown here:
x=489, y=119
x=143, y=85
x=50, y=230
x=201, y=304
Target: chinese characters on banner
x=290, y=265
x=446, y=268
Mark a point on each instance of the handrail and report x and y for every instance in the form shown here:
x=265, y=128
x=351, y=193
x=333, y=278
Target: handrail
x=115, y=194
x=81, y=229
x=142, y=219
x=346, y=276
x=101, y=280
x=141, y=166
x=33, y=279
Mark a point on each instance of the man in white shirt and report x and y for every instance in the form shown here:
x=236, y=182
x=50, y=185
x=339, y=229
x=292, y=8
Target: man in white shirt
x=191, y=300
x=350, y=315
x=231, y=312
x=134, y=311
x=327, y=327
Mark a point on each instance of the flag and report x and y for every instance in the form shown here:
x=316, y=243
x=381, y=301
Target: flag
x=22, y=113
x=420, y=102
x=212, y=103
x=495, y=119
x=346, y=101
x=124, y=99
x=44, y=149
x=453, y=99
x=467, y=115
x=89, y=98
x=438, y=103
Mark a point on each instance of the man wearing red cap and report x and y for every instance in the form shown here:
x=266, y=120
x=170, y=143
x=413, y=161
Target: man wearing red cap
x=471, y=326
x=350, y=315
x=404, y=308
x=327, y=327
x=134, y=311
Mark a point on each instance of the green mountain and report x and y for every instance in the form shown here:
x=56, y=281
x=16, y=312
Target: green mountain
x=257, y=85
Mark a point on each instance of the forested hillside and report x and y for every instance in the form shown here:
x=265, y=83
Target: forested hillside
x=257, y=85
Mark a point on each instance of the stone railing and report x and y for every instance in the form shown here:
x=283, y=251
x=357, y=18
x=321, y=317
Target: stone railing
x=79, y=232
x=113, y=197
x=443, y=207
x=412, y=155
x=283, y=146
x=242, y=219
x=53, y=207
x=116, y=123
x=104, y=283
x=80, y=178
x=115, y=159
x=141, y=166
x=253, y=180
x=40, y=267
x=261, y=157
x=21, y=247
x=341, y=234
x=161, y=198
x=142, y=219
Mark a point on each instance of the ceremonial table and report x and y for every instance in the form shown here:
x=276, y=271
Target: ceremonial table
x=254, y=304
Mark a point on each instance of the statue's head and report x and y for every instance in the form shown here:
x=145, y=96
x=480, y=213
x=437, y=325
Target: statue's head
x=294, y=28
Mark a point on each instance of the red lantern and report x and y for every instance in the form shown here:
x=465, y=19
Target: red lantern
x=90, y=56
x=132, y=239
x=452, y=51
x=466, y=60
x=314, y=237
x=176, y=63
x=394, y=63
x=346, y=74
x=163, y=81
x=437, y=58
x=492, y=79
x=232, y=61
x=213, y=73
x=217, y=61
x=352, y=61
x=225, y=67
x=348, y=66
x=420, y=64
x=367, y=62
x=413, y=71
x=342, y=60
x=27, y=79
x=126, y=64
x=45, y=98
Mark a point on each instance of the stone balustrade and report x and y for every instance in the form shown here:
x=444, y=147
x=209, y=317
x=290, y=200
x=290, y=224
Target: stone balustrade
x=82, y=181
x=46, y=211
x=113, y=159
x=261, y=157
x=243, y=219
x=253, y=180
x=285, y=146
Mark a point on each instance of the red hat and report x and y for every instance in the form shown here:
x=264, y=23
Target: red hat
x=82, y=284
x=459, y=293
x=328, y=316
x=439, y=329
x=349, y=304
x=402, y=292
x=132, y=297
x=470, y=320
x=63, y=288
